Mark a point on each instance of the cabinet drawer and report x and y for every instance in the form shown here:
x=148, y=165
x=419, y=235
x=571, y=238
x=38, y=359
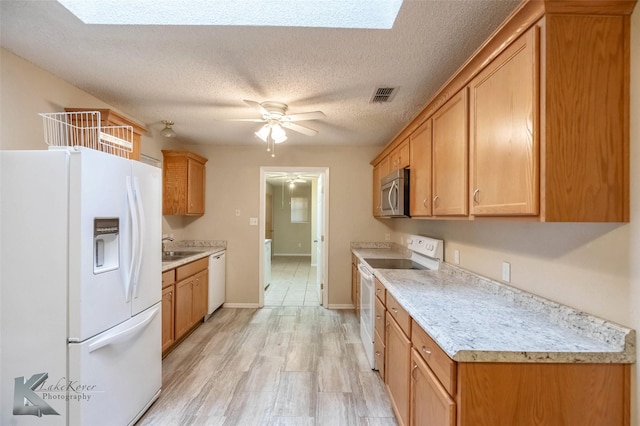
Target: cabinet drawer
x=379, y=319
x=442, y=366
x=192, y=268
x=378, y=353
x=381, y=292
x=168, y=277
x=399, y=314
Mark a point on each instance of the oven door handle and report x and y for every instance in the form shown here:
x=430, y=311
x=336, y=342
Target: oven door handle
x=365, y=272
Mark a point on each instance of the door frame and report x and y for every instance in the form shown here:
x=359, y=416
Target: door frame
x=324, y=263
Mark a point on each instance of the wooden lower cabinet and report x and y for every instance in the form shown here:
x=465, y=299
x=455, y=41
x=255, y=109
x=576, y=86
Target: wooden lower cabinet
x=184, y=303
x=398, y=368
x=430, y=402
x=184, y=306
x=168, y=309
x=448, y=393
x=200, y=296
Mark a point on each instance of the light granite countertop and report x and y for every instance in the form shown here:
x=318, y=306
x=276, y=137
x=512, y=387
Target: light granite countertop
x=475, y=319
x=200, y=249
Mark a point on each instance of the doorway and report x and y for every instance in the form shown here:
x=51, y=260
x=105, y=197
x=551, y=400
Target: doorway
x=293, y=236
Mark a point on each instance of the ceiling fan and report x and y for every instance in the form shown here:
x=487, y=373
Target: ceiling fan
x=275, y=113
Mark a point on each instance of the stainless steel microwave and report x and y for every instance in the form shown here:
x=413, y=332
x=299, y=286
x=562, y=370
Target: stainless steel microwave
x=394, y=197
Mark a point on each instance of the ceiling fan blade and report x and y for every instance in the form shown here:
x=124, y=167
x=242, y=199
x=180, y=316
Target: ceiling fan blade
x=253, y=120
x=300, y=129
x=313, y=115
x=257, y=106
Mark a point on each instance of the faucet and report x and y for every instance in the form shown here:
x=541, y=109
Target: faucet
x=163, y=243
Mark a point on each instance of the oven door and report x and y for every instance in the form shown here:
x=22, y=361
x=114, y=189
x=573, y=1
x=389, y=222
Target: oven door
x=367, y=320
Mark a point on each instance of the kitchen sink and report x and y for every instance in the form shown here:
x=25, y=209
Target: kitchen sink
x=170, y=256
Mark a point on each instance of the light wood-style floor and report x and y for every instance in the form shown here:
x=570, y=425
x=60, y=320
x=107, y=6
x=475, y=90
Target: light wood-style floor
x=271, y=366
x=293, y=282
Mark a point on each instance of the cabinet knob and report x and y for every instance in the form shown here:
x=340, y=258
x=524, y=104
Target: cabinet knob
x=424, y=203
x=378, y=317
x=395, y=311
x=435, y=199
x=475, y=196
x=426, y=351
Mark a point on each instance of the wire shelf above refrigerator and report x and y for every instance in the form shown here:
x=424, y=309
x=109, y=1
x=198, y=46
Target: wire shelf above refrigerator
x=84, y=129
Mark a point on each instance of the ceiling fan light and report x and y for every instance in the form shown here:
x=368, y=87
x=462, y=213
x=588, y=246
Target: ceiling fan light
x=278, y=134
x=263, y=133
x=168, y=132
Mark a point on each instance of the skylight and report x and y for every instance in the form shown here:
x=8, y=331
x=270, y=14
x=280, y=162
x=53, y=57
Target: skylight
x=372, y=14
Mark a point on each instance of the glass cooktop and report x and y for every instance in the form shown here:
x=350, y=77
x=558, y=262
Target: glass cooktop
x=394, y=264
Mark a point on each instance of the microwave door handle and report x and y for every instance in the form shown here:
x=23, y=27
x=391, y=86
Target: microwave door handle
x=392, y=191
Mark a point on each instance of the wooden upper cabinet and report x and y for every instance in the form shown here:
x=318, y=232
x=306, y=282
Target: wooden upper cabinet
x=450, y=157
x=549, y=118
x=183, y=183
x=420, y=176
x=585, y=108
x=503, y=140
x=109, y=117
x=399, y=157
x=379, y=171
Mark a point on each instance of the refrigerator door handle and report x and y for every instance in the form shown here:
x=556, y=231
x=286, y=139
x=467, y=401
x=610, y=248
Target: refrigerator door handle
x=112, y=337
x=141, y=223
x=134, y=236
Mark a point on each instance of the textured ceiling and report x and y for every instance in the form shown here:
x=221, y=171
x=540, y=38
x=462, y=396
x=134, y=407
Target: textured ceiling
x=198, y=76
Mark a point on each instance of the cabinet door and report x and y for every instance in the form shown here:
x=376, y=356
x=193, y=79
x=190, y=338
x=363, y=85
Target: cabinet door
x=504, y=163
x=400, y=157
x=168, y=315
x=450, y=157
x=397, y=366
x=430, y=402
x=195, y=187
x=379, y=171
x=420, y=187
x=184, y=307
x=200, y=296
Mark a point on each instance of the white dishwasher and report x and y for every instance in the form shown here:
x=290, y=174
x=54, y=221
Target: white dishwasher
x=217, y=276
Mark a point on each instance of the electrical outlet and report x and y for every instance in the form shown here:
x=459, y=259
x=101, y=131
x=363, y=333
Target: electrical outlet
x=387, y=237
x=237, y=212
x=456, y=257
x=253, y=221
x=299, y=245
x=506, y=272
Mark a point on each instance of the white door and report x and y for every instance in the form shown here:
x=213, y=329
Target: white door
x=320, y=239
x=147, y=185
x=119, y=371
x=97, y=298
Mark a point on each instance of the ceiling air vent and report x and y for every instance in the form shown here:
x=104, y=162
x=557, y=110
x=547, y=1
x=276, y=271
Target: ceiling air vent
x=383, y=94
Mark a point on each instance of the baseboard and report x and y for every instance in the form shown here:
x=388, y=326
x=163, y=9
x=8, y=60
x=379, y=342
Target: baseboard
x=292, y=254
x=340, y=306
x=241, y=305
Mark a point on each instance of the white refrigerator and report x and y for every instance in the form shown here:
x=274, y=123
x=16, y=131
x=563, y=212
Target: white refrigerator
x=80, y=298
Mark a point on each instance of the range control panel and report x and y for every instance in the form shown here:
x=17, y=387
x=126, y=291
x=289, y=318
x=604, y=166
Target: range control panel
x=426, y=246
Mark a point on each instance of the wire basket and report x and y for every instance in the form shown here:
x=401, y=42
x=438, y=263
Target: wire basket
x=85, y=129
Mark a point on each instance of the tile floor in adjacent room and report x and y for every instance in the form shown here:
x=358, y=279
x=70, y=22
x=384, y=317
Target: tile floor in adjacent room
x=293, y=282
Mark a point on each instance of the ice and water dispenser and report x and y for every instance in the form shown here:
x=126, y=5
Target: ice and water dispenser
x=106, y=232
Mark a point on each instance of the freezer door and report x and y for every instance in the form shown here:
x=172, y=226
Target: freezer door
x=117, y=374
x=147, y=279
x=97, y=300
